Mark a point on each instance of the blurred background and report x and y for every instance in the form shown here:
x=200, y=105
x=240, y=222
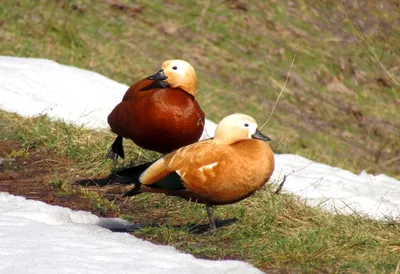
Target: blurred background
x=341, y=102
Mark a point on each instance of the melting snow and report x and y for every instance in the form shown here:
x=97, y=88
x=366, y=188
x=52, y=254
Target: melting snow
x=39, y=238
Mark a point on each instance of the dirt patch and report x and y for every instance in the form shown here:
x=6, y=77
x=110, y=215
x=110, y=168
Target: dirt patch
x=29, y=176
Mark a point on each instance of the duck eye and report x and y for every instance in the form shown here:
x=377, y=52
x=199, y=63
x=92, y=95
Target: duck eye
x=246, y=125
x=174, y=68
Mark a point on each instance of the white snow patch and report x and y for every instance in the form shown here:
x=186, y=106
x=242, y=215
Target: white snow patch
x=40, y=238
x=336, y=189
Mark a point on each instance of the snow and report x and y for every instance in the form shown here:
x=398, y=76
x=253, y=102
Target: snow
x=39, y=238
x=336, y=189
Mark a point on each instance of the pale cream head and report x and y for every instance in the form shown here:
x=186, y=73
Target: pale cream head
x=180, y=75
x=234, y=128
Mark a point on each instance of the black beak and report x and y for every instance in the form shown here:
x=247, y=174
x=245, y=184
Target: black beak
x=158, y=81
x=260, y=136
x=159, y=76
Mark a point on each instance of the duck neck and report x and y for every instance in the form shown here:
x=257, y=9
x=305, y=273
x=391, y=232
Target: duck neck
x=222, y=137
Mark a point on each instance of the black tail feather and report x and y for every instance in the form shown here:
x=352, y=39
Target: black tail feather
x=115, y=150
x=134, y=171
x=134, y=191
x=130, y=176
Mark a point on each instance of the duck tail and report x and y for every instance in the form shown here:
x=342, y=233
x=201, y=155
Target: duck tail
x=115, y=150
x=135, y=171
x=134, y=191
x=130, y=176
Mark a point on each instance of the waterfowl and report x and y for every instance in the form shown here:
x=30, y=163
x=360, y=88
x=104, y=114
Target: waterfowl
x=160, y=112
x=223, y=170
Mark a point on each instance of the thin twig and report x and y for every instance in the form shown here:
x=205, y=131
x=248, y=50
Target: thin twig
x=294, y=171
x=280, y=93
x=45, y=160
x=312, y=162
x=278, y=190
x=369, y=48
x=351, y=208
x=203, y=12
x=387, y=42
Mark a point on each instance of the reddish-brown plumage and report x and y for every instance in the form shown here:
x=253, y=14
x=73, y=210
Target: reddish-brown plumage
x=161, y=119
x=159, y=113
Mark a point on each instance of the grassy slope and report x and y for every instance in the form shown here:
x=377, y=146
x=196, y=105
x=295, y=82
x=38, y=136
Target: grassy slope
x=241, y=58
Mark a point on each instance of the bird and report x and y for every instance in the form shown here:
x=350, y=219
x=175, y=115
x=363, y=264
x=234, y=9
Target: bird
x=160, y=112
x=221, y=170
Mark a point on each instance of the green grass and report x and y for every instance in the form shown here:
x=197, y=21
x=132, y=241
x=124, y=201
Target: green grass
x=100, y=203
x=58, y=183
x=240, y=58
x=274, y=232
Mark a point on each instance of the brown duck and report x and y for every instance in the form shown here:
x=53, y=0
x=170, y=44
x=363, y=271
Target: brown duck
x=160, y=112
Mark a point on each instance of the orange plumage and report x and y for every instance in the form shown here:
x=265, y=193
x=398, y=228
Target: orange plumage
x=223, y=170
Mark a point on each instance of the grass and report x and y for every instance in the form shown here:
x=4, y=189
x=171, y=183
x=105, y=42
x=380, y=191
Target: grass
x=276, y=233
x=58, y=183
x=241, y=58
x=241, y=52
x=100, y=203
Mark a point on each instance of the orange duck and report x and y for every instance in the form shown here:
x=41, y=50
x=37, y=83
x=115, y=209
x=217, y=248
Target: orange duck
x=223, y=170
x=160, y=112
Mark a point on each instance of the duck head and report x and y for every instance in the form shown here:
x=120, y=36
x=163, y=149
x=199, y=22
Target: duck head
x=176, y=74
x=237, y=127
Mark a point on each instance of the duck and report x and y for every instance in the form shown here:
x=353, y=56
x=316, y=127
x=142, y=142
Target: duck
x=222, y=170
x=160, y=112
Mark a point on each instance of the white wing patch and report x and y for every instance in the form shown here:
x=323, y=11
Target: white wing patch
x=182, y=174
x=208, y=166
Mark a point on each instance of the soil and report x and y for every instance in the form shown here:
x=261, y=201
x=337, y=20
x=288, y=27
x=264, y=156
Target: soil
x=30, y=177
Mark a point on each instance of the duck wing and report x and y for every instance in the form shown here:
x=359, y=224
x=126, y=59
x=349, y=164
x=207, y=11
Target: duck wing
x=184, y=160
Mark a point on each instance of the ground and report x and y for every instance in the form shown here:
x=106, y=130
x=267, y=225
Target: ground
x=44, y=177
x=30, y=176
x=33, y=177
x=60, y=164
